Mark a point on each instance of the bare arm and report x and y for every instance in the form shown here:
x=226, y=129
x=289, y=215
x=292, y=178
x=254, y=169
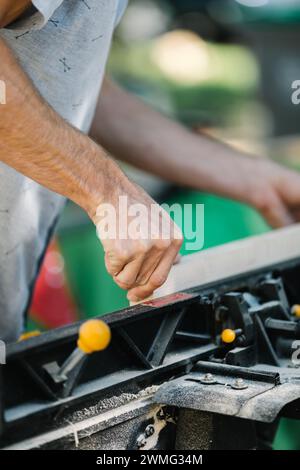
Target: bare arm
x=141, y=136
x=137, y=134
x=11, y=9
x=37, y=142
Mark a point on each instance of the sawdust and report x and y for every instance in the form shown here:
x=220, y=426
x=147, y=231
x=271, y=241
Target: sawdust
x=112, y=402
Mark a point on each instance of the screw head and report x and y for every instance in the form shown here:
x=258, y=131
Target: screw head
x=239, y=384
x=141, y=441
x=149, y=431
x=207, y=379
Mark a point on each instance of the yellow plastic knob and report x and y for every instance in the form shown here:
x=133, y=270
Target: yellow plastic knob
x=296, y=310
x=228, y=336
x=94, y=335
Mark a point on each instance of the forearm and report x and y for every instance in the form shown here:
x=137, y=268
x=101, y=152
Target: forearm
x=11, y=9
x=38, y=143
x=137, y=134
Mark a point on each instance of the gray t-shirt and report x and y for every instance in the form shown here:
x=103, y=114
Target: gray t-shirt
x=63, y=46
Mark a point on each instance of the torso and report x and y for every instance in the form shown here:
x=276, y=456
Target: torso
x=66, y=59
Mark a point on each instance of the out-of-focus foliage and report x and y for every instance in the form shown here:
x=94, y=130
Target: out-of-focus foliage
x=203, y=83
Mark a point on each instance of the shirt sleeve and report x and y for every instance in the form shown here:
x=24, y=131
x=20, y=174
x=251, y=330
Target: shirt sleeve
x=39, y=16
x=121, y=10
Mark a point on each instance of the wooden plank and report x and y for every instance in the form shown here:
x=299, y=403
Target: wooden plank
x=233, y=259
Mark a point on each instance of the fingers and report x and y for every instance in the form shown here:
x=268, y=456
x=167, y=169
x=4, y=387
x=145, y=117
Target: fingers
x=128, y=271
x=274, y=210
x=177, y=259
x=143, y=258
x=126, y=278
x=278, y=216
x=136, y=271
x=149, y=265
x=289, y=186
x=289, y=190
x=115, y=262
x=296, y=214
x=281, y=205
x=159, y=275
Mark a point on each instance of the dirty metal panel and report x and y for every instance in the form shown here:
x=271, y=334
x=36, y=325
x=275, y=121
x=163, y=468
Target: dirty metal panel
x=241, y=393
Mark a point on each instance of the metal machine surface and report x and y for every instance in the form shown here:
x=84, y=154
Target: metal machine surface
x=212, y=366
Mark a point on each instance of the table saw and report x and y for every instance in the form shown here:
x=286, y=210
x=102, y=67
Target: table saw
x=212, y=362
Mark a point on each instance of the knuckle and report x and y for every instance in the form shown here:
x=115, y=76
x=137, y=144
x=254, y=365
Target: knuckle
x=110, y=267
x=141, y=249
x=162, y=244
x=158, y=280
x=263, y=201
x=142, y=281
x=121, y=255
x=123, y=283
x=110, y=270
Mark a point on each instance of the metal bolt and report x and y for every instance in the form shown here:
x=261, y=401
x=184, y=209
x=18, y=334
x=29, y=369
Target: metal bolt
x=149, y=430
x=239, y=384
x=161, y=414
x=165, y=413
x=207, y=379
x=141, y=441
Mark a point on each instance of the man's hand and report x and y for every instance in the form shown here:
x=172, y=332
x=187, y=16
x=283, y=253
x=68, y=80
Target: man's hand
x=272, y=189
x=37, y=142
x=138, y=257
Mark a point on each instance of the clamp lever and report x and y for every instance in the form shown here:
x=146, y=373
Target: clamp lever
x=94, y=336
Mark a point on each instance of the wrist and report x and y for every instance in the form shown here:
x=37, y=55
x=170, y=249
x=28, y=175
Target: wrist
x=103, y=181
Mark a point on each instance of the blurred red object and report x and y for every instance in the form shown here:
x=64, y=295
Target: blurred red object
x=52, y=303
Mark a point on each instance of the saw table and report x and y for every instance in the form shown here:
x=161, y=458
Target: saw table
x=212, y=362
